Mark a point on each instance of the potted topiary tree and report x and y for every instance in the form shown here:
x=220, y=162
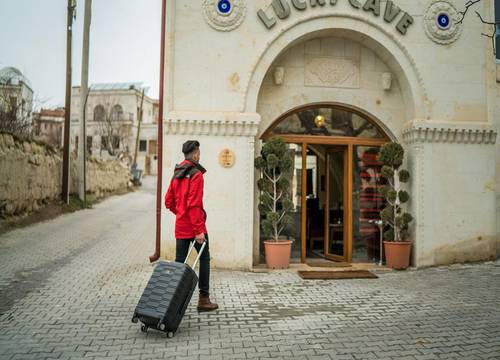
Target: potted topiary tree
x=276, y=165
x=397, y=249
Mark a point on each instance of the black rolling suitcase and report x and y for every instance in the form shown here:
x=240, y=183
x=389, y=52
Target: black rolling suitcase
x=167, y=295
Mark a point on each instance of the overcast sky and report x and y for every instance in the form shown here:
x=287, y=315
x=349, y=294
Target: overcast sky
x=124, y=43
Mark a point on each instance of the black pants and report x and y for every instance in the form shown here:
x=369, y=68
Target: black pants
x=181, y=250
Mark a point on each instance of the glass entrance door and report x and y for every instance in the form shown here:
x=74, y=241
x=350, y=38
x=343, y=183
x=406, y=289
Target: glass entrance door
x=336, y=180
x=336, y=247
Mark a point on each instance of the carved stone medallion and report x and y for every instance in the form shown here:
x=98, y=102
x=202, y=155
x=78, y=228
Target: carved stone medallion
x=331, y=72
x=224, y=15
x=441, y=22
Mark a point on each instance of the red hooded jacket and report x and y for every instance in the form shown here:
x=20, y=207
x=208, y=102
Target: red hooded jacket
x=184, y=198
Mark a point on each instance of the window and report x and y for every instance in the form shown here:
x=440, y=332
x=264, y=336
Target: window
x=13, y=102
x=89, y=145
x=152, y=147
x=116, y=142
x=143, y=144
x=117, y=113
x=104, y=142
x=327, y=121
x=99, y=113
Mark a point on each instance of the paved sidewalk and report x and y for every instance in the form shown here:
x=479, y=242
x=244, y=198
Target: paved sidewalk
x=68, y=288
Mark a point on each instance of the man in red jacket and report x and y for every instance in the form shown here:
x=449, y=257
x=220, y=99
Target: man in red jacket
x=184, y=198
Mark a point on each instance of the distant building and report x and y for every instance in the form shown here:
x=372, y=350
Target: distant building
x=112, y=118
x=48, y=126
x=16, y=101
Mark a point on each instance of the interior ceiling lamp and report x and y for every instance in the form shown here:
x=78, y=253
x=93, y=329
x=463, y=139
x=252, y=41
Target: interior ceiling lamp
x=320, y=121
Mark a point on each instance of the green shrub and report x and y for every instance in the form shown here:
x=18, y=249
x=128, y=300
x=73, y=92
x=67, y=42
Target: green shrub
x=392, y=155
x=275, y=164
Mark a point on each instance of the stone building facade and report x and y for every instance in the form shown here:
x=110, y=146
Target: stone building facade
x=238, y=72
x=48, y=125
x=112, y=119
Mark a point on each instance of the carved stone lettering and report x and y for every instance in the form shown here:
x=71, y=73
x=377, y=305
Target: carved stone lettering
x=326, y=71
x=299, y=4
x=373, y=6
x=281, y=9
x=317, y=2
x=269, y=22
x=404, y=23
x=391, y=11
x=355, y=3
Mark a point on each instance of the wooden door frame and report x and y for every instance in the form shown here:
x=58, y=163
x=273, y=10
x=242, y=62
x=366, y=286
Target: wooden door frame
x=345, y=218
x=303, y=206
x=304, y=141
x=350, y=142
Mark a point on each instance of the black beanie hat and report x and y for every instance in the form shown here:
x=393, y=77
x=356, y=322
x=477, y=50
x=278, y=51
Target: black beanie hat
x=189, y=146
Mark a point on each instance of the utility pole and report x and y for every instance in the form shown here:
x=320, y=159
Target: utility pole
x=134, y=164
x=84, y=89
x=67, y=112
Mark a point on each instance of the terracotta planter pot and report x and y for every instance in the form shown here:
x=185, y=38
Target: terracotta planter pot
x=397, y=254
x=278, y=254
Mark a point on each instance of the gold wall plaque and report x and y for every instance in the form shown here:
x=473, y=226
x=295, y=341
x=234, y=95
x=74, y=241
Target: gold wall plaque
x=226, y=158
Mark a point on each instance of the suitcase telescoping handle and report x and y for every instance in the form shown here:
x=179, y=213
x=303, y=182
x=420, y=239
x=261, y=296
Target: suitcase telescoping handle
x=191, y=247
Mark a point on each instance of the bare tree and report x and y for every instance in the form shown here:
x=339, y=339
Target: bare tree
x=115, y=130
x=492, y=24
x=15, y=112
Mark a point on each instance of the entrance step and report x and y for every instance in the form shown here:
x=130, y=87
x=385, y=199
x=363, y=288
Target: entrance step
x=262, y=268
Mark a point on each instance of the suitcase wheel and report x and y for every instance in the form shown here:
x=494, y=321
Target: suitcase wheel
x=170, y=334
x=161, y=327
x=135, y=319
x=144, y=328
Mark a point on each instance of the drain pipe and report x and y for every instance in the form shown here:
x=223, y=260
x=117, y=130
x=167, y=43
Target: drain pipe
x=159, y=147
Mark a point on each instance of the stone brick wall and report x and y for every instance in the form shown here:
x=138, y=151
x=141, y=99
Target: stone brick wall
x=103, y=176
x=30, y=176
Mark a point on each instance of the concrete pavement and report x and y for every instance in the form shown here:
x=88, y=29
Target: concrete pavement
x=68, y=288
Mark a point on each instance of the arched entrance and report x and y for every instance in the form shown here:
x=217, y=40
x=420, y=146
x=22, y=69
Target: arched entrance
x=336, y=180
x=311, y=61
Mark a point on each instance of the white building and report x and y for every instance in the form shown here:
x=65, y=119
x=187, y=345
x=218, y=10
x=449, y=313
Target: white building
x=240, y=71
x=112, y=122
x=16, y=94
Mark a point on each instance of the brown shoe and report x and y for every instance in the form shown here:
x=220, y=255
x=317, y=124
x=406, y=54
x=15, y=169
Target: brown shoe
x=204, y=303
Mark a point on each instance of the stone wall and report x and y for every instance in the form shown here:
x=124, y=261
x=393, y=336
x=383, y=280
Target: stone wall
x=103, y=177
x=30, y=176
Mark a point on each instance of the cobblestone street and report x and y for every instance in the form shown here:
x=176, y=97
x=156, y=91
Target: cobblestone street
x=69, y=286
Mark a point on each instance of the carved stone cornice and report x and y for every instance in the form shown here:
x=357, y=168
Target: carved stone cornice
x=212, y=123
x=450, y=133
